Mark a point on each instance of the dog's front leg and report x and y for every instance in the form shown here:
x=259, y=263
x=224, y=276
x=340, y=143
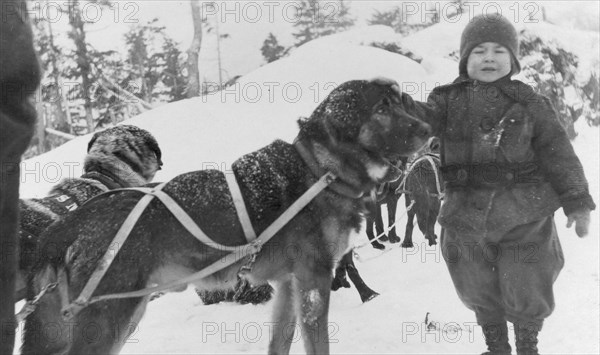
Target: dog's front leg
x=312, y=301
x=284, y=318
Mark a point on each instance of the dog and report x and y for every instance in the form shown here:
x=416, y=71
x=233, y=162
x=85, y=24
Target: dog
x=386, y=195
x=121, y=156
x=419, y=184
x=352, y=134
x=424, y=189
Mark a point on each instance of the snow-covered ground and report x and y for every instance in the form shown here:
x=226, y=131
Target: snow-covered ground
x=210, y=132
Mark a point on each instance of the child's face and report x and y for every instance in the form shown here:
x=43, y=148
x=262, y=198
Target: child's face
x=488, y=62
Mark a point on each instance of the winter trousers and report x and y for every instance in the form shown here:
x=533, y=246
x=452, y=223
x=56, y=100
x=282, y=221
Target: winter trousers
x=509, y=277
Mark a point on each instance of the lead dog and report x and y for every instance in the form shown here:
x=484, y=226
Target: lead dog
x=352, y=134
x=121, y=156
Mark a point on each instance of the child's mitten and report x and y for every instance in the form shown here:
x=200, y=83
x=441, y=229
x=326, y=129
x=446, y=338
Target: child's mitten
x=582, y=221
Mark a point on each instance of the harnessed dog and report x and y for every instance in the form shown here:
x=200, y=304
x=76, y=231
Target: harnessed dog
x=117, y=157
x=342, y=152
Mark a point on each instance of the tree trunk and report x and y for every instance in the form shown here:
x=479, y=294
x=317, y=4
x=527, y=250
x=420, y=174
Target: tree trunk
x=78, y=35
x=138, y=58
x=193, y=88
x=63, y=122
x=40, y=127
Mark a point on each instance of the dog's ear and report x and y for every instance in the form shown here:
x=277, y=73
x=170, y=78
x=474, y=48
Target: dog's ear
x=408, y=102
x=92, y=141
x=434, y=144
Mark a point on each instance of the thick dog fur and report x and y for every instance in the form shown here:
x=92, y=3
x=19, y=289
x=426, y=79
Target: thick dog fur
x=353, y=133
x=421, y=187
x=121, y=156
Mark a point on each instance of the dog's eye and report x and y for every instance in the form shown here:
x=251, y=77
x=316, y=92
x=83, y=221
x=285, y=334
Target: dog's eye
x=382, y=109
x=384, y=106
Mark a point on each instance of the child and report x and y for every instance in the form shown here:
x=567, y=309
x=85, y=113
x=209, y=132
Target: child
x=508, y=166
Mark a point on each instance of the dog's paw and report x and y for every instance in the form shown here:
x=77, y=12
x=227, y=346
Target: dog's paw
x=369, y=297
x=394, y=239
x=432, y=240
x=156, y=295
x=407, y=244
x=378, y=245
x=339, y=282
x=384, y=238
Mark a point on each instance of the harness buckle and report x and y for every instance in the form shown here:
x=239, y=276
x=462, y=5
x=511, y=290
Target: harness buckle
x=30, y=306
x=70, y=310
x=330, y=178
x=256, y=247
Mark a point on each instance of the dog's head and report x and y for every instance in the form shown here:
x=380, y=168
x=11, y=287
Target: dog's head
x=365, y=123
x=126, y=150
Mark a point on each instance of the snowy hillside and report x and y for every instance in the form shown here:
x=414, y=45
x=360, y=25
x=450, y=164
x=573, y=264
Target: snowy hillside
x=210, y=132
x=250, y=24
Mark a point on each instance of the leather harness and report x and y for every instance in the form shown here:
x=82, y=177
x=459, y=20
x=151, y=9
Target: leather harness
x=250, y=250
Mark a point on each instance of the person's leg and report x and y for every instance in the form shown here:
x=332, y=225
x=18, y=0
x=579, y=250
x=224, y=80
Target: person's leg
x=532, y=261
x=19, y=76
x=477, y=283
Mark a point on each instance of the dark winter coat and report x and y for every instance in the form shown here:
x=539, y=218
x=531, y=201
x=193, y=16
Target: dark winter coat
x=19, y=77
x=506, y=159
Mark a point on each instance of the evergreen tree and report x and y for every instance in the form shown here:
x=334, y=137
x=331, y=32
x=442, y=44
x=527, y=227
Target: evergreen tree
x=78, y=35
x=317, y=19
x=342, y=20
x=552, y=71
x=391, y=18
x=271, y=49
x=402, y=23
x=138, y=38
x=170, y=70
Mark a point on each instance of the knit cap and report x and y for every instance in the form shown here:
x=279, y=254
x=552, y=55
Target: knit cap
x=489, y=28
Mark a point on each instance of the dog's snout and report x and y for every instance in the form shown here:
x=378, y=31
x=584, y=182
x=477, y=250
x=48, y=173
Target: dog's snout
x=421, y=129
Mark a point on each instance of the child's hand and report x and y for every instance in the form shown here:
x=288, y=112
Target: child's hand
x=582, y=221
x=381, y=80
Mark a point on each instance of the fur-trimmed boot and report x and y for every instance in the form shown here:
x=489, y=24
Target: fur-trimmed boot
x=526, y=337
x=496, y=338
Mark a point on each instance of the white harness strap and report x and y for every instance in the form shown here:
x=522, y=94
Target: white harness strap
x=438, y=182
x=240, y=207
x=185, y=218
x=110, y=254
